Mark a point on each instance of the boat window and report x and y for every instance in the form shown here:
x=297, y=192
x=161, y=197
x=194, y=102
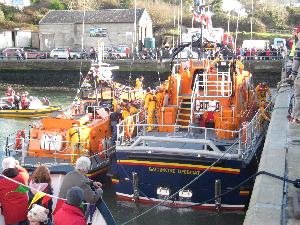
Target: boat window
x=223, y=66
x=200, y=78
x=175, y=69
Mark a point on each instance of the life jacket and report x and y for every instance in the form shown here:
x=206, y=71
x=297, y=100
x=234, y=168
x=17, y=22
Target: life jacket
x=159, y=97
x=152, y=103
x=147, y=98
x=24, y=100
x=73, y=135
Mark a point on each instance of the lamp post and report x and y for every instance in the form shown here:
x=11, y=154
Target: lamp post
x=228, y=22
x=134, y=47
x=174, y=25
x=82, y=36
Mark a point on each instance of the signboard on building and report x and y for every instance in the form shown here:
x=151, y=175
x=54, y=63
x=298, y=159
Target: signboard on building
x=98, y=32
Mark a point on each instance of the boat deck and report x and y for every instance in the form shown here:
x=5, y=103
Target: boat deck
x=57, y=166
x=193, y=142
x=183, y=135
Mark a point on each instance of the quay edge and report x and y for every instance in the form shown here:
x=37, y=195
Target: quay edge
x=267, y=195
x=255, y=66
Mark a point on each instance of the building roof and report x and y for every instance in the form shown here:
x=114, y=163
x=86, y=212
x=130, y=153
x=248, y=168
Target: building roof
x=92, y=16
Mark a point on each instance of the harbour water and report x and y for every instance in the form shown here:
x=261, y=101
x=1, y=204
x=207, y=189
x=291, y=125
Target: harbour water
x=122, y=211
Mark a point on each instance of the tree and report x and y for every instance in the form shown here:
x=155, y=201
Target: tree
x=217, y=6
x=57, y=5
x=125, y=4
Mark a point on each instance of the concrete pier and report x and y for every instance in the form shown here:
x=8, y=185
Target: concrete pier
x=271, y=201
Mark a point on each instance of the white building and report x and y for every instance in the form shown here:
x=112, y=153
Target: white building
x=64, y=28
x=20, y=4
x=15, y=38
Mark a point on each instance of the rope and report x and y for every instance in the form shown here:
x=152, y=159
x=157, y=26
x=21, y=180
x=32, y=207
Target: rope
x=27, y=186
x=184, y=187
x=296, y=183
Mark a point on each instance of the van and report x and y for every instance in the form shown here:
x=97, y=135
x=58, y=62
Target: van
x=258, y=44
x=278, y=42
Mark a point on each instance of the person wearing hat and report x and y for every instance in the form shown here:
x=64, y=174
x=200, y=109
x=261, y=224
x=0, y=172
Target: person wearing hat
x=91, y=189
x=296, y=76
x=14, y=204
x=70, y=213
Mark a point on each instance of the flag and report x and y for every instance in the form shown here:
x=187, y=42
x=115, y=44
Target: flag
x=22, y=189
x=197, y=17
x=36, y=197
x=45, y=200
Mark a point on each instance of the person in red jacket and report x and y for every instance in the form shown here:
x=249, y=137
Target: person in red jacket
x=14, y=204
x=70, y=213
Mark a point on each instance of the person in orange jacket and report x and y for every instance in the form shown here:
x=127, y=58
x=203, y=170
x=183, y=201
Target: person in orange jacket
x=159, y=97
x=139, y=83
x=262, y=89
x=73, y=137
x=151, y=111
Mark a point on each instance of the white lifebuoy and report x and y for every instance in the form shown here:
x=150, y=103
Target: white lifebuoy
x=51, y=142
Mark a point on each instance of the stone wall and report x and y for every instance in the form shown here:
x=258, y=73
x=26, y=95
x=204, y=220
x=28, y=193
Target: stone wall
x=63, y=72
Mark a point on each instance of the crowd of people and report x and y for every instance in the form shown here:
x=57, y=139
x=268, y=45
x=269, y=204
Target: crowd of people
x=269, y=53
x=29, y=200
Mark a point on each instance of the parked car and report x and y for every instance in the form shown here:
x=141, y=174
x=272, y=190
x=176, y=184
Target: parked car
x=118, y=55
x=62, y=53
x=11, y=52
x=35, y=54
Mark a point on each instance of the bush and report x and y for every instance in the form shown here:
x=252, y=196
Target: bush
x=8, y=11
x=56, y=5
x=125, y=4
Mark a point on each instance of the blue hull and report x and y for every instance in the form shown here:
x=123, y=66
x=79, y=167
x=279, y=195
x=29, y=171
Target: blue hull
x=159, y=171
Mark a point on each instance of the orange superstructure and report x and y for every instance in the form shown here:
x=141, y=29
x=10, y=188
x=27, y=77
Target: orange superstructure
x=51, y=138
x=209, y=93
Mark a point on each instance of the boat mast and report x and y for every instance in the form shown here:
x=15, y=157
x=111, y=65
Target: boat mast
x=180, y=21
x=83, y=26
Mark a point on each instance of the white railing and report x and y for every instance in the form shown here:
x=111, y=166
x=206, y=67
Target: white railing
x=220, y=85
x=193, y=98
x=130, y=124
x=51, y=148
x=251, y=132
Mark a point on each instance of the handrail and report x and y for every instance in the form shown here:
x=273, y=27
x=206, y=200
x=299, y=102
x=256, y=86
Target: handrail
x=223, y=87
x=137, y=118
x=11, y=140
x=193, y=98
x=247, y=136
